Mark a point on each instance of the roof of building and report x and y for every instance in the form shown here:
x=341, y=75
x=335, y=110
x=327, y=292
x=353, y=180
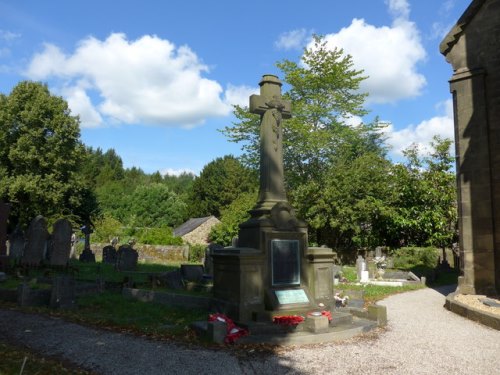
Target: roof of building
x=190, y=225
x=456, y=32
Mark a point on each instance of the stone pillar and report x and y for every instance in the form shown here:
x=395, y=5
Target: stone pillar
x=272, y=110
x=472, y=47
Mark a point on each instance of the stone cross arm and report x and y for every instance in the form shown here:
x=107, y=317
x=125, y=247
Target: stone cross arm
x=259, y=104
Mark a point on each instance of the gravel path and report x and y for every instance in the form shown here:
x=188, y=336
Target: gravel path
x=422, y=338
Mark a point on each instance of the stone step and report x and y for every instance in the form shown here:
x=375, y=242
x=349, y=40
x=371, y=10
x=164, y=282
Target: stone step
x=335, y=333
x=340, y=318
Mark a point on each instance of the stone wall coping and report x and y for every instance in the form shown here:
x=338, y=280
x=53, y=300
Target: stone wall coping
x=471, y=313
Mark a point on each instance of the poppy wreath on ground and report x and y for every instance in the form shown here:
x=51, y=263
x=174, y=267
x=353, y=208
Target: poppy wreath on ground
x=288, y=320
x=328, y=314
x=233, y=332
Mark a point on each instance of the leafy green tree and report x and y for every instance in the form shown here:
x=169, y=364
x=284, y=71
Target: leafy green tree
x=324, y=91
x=220, y=182
x=155, y=205
x=180, y=184
x=231, y=217
x=330, y=166
x=347, y=207
x=425, y=211
x=41, y=156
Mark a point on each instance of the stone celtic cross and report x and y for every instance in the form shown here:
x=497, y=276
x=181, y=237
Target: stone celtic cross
x=272, y=109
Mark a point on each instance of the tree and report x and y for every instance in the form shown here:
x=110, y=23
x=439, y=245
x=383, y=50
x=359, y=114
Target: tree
x=231, y=217
x=155, y=205
x=220, y=182
x=324, y=94
x=41, y=156
x=322, y=152
x=425, y=204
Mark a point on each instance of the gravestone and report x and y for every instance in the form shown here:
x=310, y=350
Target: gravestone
x=172, y=280
x=36, y=242
x=192, y=272
x=109, y=254
x=208, y=265
x=87, y=255
x=61, y=243
x=63, y=294
x=126, y=258
x=271, y=269
x=4, y=216
x=360, y=266
x=17, y=243
x=472, y=47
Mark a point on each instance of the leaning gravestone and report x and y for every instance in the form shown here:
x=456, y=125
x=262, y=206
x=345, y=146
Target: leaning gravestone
x=17, y=243
x=126, y=258
x=36, y=242
x=61, y=243
x=109, y=254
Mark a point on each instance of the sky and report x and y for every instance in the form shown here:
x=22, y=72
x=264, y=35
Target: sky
x=156, y=80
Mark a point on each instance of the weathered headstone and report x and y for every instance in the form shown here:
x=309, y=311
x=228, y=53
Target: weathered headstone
x=109, y=254
x=208, y=266
x=36, y=242
x=4, y=215
x=87, y=255
x=126, y=258
x=360, y=266
x=192, y=272
x=17, y=243
x=61, y=243
x=63, y=293
x=172, y=279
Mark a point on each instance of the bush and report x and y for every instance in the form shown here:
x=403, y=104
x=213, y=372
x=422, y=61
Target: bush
x=196, y=253
x=409, y=257
x=157, y=236
x=107, y=228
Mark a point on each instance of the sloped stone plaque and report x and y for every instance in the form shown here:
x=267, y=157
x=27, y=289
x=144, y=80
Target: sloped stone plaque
x=289, y=296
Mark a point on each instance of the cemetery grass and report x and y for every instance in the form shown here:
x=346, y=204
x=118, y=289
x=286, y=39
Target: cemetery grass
x=93, y=271
x=375, y=293
x=13, y=358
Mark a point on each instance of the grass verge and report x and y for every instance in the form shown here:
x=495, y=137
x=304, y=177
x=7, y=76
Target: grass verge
x=13, y=358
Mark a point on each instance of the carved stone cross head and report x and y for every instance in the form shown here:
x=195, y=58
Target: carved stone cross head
x=270, y=98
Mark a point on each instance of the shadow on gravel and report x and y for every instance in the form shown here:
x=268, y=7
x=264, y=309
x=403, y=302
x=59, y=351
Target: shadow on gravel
x=445, y=289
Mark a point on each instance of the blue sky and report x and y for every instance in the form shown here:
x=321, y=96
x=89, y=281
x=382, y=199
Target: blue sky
x=155, y=80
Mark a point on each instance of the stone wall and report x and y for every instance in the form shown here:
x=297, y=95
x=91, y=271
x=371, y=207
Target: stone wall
x=151, y=253
x=199, y=236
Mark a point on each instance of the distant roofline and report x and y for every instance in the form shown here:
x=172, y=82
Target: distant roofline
x=190, y=225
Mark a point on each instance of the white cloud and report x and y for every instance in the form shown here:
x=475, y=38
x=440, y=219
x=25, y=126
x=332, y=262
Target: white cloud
x=353, y=121
x=400, y=9
x=176, y=172
x=422, y=133
x=148, y=80
x=81, y=105
x=8, y=36
x=239, y=95
x=295, y=39
x=388, y=54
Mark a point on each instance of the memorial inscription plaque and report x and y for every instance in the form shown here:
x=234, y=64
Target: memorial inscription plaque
x=288, y=296
x=285, y=262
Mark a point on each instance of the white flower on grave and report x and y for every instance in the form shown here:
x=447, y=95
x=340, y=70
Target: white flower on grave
x=342, y=300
